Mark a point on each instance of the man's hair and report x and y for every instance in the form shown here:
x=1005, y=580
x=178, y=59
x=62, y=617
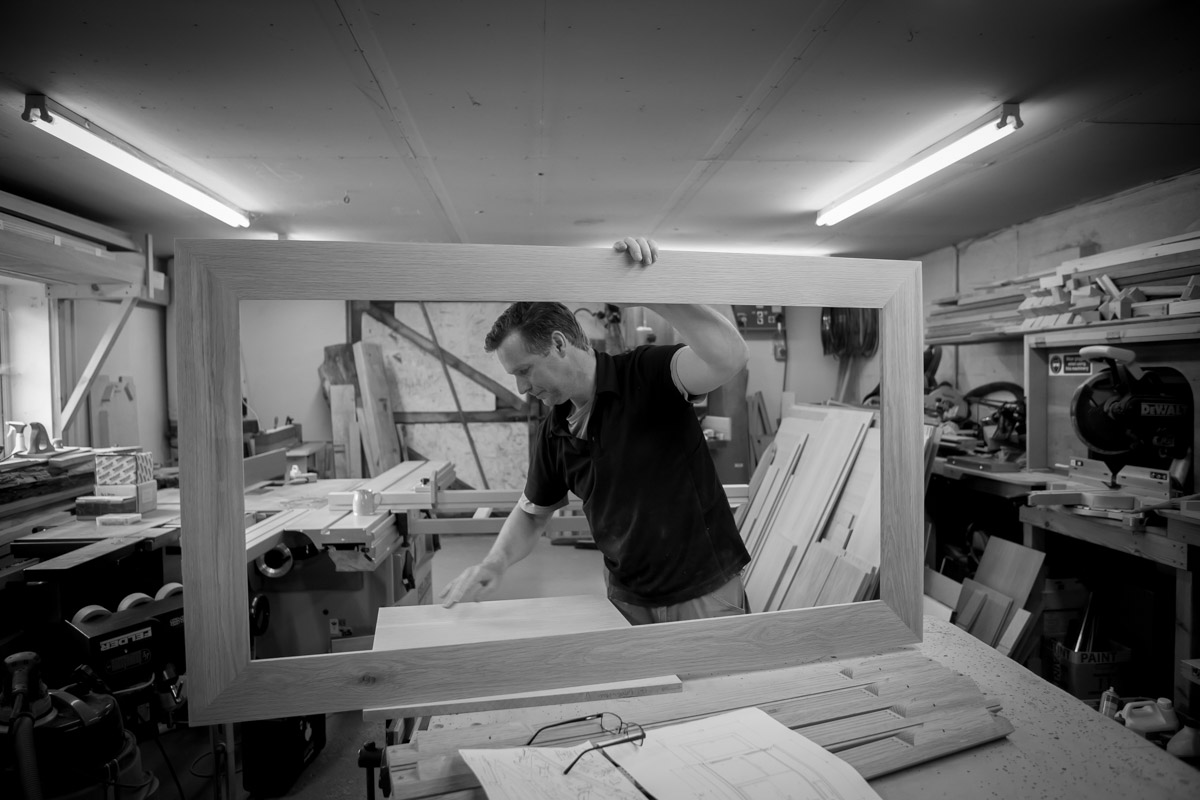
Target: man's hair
x=536, y=322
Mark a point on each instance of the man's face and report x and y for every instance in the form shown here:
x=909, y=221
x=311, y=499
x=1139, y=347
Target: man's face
x=544, y=377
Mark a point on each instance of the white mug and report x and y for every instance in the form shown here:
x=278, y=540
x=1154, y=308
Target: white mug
x=364, y=501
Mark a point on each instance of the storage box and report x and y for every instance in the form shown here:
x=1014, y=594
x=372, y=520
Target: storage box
x=1086, y=675
x=118, y=467
x=145, y=494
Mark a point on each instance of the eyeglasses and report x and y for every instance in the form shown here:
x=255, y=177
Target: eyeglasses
x=609, y=723
x=637, y=737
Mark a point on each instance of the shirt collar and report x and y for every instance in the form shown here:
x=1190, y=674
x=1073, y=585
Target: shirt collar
x=606, y=382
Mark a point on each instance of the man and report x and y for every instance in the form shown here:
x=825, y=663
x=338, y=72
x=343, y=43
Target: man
x=623, y=436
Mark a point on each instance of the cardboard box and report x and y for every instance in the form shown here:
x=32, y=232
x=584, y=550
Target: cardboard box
x=145, y=494
x=123, y=466
x=1086, y=675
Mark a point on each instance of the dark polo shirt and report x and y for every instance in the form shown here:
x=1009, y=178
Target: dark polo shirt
x=650, y=491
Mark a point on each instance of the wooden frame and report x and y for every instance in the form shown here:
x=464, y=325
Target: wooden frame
x=212, y=276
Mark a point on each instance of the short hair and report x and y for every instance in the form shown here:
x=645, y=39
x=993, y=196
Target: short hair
x=536, y=322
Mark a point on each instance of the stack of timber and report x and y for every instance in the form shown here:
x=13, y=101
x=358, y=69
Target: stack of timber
x=880, y=714
x=1153, y=279
x=982, y=314
x=998, y=605
x=812, y=522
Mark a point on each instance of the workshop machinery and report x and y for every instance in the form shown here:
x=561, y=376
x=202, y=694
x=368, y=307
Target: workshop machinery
x=68, y=743
x=1137, y=426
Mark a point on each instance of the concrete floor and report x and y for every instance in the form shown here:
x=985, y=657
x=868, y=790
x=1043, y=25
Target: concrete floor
x=549, y=571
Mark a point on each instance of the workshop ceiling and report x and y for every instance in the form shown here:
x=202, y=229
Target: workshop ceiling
x=709, y=125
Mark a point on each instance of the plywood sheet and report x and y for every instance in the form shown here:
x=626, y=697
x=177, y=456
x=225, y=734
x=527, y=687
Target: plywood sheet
x=1010, y=569
x=422, y=626
x=376, y=407
x=412, y=627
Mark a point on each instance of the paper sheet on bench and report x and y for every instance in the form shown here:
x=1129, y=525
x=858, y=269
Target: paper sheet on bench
x=535, y=773
x=738, y=755
x=733, y=756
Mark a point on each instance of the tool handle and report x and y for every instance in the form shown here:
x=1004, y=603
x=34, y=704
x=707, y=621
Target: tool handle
x=1103, y=352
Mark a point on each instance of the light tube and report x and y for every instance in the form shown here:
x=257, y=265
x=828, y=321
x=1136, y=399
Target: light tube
x=996, y=127
x=131, y=161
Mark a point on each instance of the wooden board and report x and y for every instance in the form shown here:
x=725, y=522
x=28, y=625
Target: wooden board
x=809, y=579
x=424, y=626
x=571, y=694
x=384, y=450
x=1010, y=569
x=968, y=609
x=944, y=589
x=347, y=441
x=1012, y=634
x=844, y=582
x=857, y=511
x=890, y=714
x=813, y=491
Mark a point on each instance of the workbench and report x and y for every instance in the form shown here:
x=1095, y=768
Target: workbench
x=1059, y=747
x=1175, y=545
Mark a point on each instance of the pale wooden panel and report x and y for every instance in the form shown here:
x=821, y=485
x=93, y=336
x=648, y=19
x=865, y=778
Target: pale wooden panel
x=409, y=627
x=320, y=684
x=210, y=467
x=215, y=275
x=414, y=627
x=353, y=270
x=902, y=550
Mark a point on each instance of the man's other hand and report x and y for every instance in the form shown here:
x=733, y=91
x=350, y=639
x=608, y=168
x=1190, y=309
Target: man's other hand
x=475, y=583
x=642, y=250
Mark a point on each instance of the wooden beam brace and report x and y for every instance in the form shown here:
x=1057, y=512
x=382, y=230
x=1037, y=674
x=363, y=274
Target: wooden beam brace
x=506, y=397
x=454, y=417
x=68, y=223
x=88, y=378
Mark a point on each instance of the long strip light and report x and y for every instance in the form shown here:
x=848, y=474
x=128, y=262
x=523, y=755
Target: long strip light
x=994, y=127
x=46, y=115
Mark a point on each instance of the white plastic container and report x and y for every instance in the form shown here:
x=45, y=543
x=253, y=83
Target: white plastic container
x=1150, y=716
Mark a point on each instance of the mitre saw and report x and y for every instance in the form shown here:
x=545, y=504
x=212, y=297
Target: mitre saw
x=1132, y=420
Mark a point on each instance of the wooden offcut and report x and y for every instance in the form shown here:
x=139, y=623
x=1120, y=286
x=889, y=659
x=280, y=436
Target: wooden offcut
x=347, y=441
x=384, y=450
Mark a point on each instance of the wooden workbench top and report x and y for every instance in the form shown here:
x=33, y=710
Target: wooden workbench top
x=1059, y=747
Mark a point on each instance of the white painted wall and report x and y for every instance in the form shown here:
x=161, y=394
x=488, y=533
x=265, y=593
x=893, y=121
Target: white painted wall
x=283, y=345
x=139, y=353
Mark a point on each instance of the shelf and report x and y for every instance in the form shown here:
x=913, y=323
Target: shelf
x=1137, y=329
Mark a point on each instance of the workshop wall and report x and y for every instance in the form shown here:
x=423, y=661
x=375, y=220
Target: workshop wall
x=283, y=344
x=1153, y=211
x=139, y=354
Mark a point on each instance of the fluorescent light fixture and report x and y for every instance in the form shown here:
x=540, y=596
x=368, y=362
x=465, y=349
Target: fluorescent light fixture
x=995, y=126
x=46, y=115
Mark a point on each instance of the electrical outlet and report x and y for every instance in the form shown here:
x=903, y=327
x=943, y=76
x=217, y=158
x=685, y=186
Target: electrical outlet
x=780, y=351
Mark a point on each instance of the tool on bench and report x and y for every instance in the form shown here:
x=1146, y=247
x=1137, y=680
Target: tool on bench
x=1128, y=415
x=1137, y=426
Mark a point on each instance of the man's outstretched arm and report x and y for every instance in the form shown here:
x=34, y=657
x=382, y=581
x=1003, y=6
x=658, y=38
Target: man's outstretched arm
x=715, y=349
